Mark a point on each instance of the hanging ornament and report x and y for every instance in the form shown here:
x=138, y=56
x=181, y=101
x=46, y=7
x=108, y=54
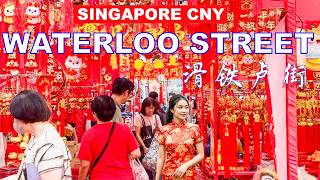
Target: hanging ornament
x=148, y=68
x=114, y=61
x=172, y=61
x=138, y=64
x=12, y=60
x=158, y=64
x=32, y=12
x=228, y=60
x=32, y=17
x=247, y=66
x=8, y=12
x=124, y=64
x=74, y=66
x=107, y=78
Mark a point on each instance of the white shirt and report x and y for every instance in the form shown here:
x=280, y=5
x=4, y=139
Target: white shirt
x=48, y=152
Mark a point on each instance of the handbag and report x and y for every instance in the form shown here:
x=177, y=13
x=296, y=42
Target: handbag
x=139, y=173
x=146, y=133
x=150, y=159
x=31, y=172
x=103, y=150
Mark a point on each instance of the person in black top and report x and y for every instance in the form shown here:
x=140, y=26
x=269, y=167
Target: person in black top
x=158, y=109
x=78, y=2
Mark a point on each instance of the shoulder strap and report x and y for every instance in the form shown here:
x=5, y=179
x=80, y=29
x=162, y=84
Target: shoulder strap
x=155, y=117
x=142, y=119
x=104, y=148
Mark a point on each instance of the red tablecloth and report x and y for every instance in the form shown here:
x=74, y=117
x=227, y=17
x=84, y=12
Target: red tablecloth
x=7, y=171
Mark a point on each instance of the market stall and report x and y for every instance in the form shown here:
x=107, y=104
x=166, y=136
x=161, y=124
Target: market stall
x=230, y=93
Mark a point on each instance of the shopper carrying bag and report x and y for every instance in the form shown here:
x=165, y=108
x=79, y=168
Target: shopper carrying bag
x=138, y=170
x=106, y=148
x=150, y=159
x=146, y=124
x=103, y=150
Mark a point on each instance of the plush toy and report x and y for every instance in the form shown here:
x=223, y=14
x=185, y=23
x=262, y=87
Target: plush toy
x=8, y=12
x=73, y=63
x=32, y=12
x=75, y=68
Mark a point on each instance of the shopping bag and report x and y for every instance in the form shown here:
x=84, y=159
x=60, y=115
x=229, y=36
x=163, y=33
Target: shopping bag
x=139, y=173
x=3, y=144
x=150, y=159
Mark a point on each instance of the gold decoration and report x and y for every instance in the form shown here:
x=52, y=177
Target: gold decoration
x=107, y=78
x=313, y=64
x=115, y=29
x=316, y=30
x=114, y=61
x=316, y=156
x=172, y=61
x=178, y=32
x=12, y=63
x=23, y=145
x=13, y=155
x=16, y=139
x=148, y=66
x=25, y=138
x=138, y=64
x=20, y=156
x=256, y=117
x=124, y=61
x=158, y=64
x=90, y=27
x=156, y=31
x=31, y=64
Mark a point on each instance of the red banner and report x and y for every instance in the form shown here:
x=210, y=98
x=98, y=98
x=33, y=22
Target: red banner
x=149, y=14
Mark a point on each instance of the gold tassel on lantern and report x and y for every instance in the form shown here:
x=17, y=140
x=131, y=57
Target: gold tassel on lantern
x=113, y=61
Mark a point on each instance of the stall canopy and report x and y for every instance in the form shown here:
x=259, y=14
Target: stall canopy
x=299, y=13
x=307, y=10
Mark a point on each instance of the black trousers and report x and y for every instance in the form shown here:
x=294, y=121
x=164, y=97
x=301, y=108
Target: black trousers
x=150, y=174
